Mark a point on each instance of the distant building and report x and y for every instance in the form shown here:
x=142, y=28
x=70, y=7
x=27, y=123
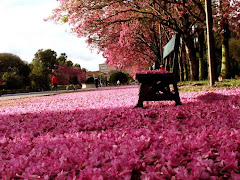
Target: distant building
x=93, y=74
x=103, y=68
x=103, y=74
x=106, y=70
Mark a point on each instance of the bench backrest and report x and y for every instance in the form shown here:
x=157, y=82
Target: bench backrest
x=172, y=48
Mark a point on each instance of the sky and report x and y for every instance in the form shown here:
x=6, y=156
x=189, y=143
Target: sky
x=23, y=32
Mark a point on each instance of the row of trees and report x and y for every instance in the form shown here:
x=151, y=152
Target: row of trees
x=131, y=33
x=16, y=73
x=46, y=63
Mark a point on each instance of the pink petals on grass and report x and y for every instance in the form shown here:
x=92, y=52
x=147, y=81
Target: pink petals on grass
x=99, y=135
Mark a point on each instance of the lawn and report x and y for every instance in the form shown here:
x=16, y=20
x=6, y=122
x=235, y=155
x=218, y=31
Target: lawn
x=100, y=135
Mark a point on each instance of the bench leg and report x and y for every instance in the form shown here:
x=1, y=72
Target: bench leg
x=140, y=95
x=178, y=102
x=176, y=94
x=139, y=104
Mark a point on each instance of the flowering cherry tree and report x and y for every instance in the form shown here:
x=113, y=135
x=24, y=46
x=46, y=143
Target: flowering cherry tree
x=126, y=31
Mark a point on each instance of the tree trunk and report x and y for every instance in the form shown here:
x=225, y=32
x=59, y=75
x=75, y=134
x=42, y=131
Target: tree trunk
x=185, y=63
x=210, y=41
x=194, y=67
x=201, y=50
x=181, y=69
x=225, y=66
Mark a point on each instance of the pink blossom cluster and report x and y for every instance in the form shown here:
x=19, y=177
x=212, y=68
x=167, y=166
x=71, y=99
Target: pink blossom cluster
x=158, y=71
x=100, y=135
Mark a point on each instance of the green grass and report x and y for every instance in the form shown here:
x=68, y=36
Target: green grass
x=200, y=85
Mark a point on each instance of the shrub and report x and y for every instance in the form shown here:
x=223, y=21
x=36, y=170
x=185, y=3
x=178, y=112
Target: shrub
x=12, y=81
x=90, y=80
x=122, y=77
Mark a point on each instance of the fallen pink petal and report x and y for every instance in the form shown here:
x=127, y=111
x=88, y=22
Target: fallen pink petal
x=100, y=135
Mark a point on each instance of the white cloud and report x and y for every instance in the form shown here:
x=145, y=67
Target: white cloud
x=23, y=32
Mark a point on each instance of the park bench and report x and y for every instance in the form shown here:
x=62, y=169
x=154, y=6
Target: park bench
x=156, y=87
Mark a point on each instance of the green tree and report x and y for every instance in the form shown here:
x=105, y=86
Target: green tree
x=12, y=80
x=39, y=77
x=77, y=65
x=69, y=63
x=62, y=59
x=47, y=58
x=84, y=70
x=13, y=66
x=42, y=65
x=122, y=77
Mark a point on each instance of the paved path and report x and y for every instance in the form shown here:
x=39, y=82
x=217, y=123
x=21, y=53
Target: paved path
x=49, y=93
x=41, y=93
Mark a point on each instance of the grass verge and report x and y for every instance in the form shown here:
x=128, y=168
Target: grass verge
x=203, y=85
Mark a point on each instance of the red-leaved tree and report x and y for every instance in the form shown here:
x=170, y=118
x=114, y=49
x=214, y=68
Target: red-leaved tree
x=65, y=74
